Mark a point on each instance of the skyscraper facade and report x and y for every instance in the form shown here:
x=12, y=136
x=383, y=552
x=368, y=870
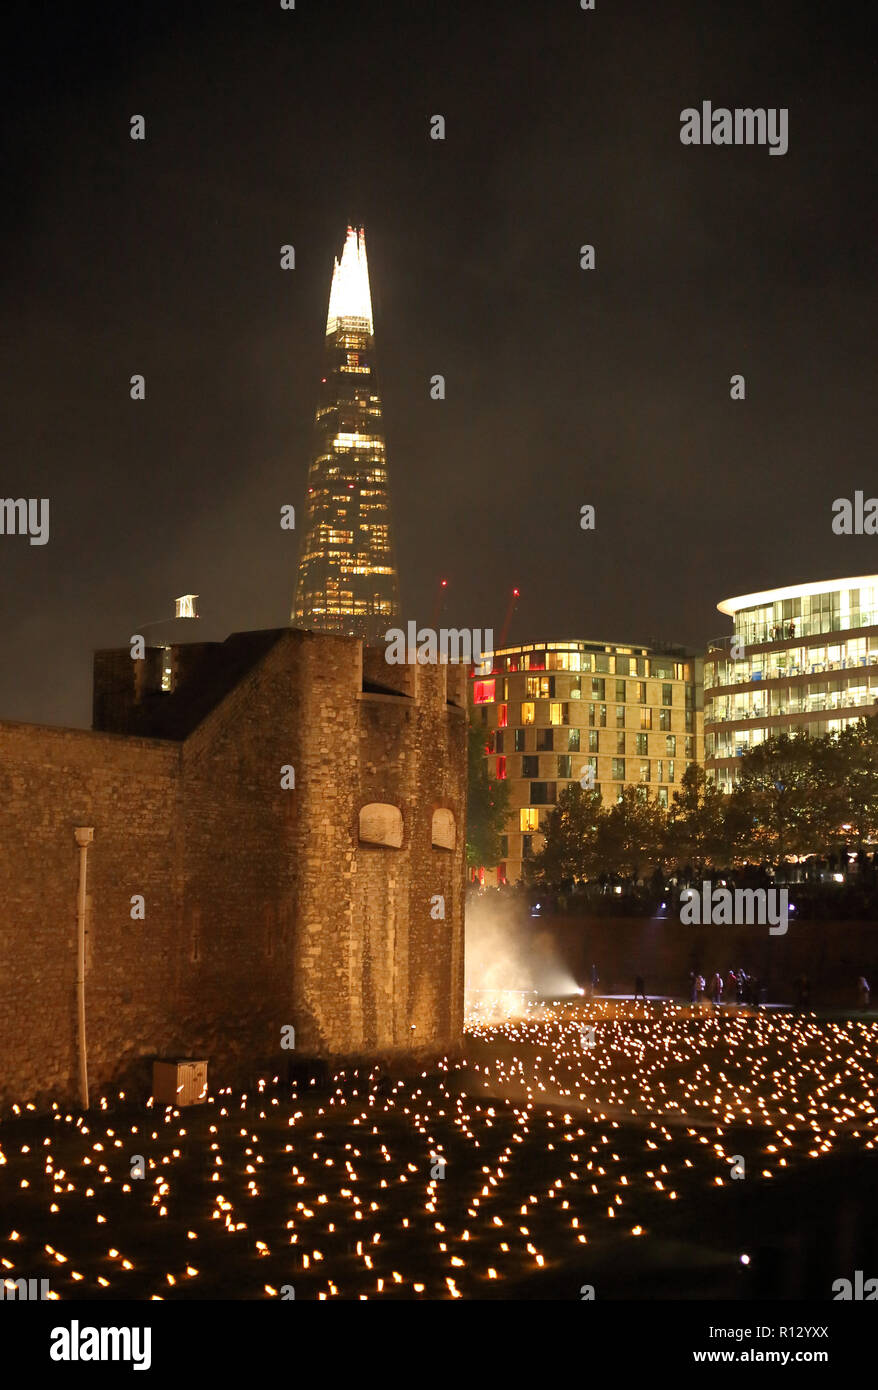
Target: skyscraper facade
x=801, y=658
x=347, y=580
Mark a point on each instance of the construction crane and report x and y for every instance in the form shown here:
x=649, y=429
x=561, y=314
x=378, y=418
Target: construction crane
x=439, y=605
x=510, y=611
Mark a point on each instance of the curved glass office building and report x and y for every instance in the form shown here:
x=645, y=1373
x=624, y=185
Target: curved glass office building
x=801, y=657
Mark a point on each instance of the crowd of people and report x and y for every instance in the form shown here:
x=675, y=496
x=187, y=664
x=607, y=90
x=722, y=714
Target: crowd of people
x=735, y=987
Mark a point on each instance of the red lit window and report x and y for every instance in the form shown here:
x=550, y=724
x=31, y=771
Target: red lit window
x=501, y=873
x=483, y=691
x=501, y=769
x=501, y=716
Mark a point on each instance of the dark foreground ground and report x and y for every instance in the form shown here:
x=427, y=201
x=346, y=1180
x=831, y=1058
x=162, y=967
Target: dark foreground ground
x=567, y=1165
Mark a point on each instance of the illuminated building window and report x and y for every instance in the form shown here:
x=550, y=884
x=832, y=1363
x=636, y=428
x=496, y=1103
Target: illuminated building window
x=671, y=777
x=593, y=737
x=620, y=743
x=185, y=606
x=618, y=769
x=642, y=742
x=644, y=770
x=671, y=745
x=528, y=818
x=501, y=769
x=483, y=691
x=528, y=713
x=573, y=736
x=518, y=735
x=501, y=716
x=663, y=797
x=646, y=718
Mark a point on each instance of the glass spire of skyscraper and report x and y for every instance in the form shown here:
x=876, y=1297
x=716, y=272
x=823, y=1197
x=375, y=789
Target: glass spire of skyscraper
x=347, y=579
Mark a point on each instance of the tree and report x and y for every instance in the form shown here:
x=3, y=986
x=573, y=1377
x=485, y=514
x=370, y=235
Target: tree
x=569, y=852
x=697, y=819
x=777, y=786
x=487, y=805
x=852, y=773
x=632, y=833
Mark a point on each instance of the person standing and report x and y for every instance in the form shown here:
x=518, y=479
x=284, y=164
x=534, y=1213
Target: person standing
x=864, y=993
x=639, y=989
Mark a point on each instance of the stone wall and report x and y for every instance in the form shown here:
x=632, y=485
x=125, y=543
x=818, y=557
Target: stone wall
x=832, y=954
x=52, y=780
x=262, y=908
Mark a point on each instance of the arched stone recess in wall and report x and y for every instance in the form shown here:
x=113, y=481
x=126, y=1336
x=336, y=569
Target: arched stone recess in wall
x=381, y=824
x=442, y=834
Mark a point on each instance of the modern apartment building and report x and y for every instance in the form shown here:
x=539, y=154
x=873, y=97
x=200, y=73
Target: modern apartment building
x=800, y=657
x=552, y=709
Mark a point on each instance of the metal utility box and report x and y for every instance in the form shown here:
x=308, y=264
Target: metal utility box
x=179, y=1083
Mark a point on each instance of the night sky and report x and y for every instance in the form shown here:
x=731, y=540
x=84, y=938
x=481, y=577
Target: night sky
x=564, y=387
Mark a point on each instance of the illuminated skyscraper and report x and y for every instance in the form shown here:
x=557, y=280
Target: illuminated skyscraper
x=347, y=579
